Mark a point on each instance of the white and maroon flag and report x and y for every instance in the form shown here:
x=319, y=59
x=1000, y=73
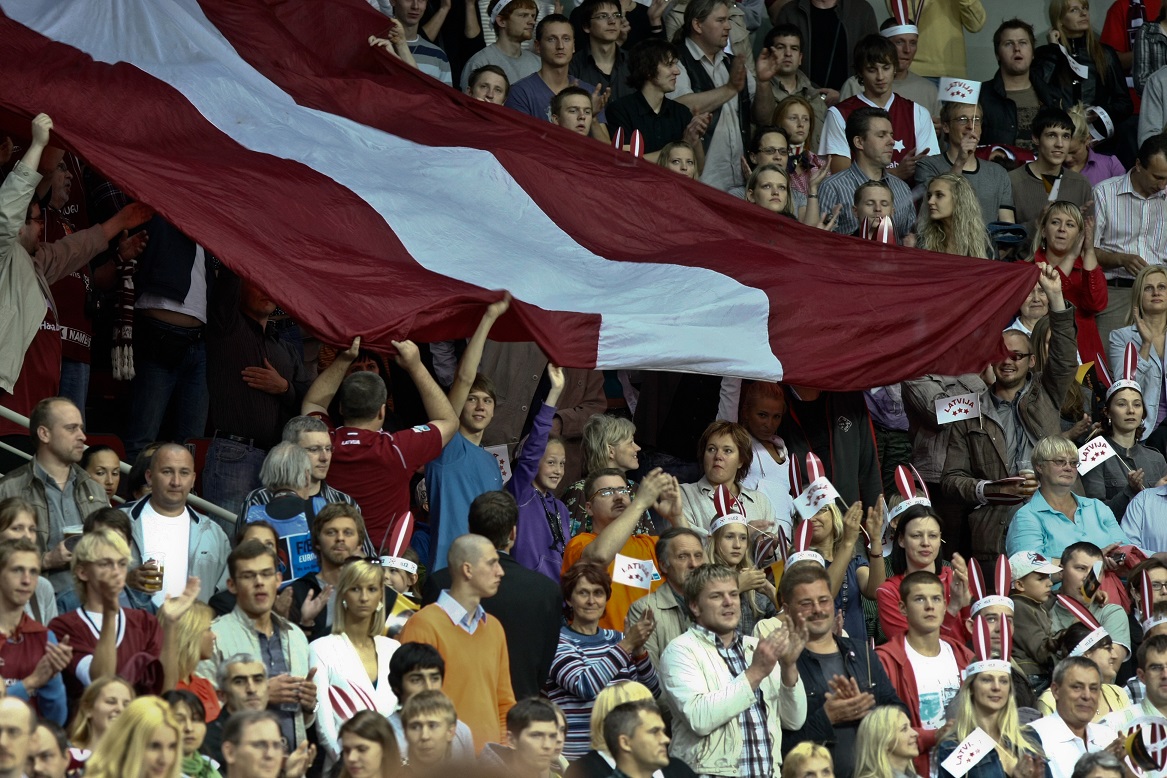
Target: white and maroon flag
x=366, y=198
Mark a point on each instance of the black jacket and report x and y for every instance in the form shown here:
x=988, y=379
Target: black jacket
x=1000, y=112
x=1107, y=90
x=529, y=607
x=592, y=765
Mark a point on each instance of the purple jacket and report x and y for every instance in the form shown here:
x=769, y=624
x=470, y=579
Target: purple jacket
x=535, y=546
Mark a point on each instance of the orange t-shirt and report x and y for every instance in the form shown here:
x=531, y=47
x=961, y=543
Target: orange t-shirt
x=638, y=547
x=205, y=691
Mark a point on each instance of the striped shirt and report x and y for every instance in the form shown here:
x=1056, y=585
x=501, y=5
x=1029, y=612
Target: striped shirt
x=757, y=757
x=1129, y=223
x=263, y=495
x=583, y=666
x=840, y=188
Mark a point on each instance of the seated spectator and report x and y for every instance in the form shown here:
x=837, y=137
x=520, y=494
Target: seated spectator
x=599, y=762
x=797, y=116
x=874, y=202
x=960, y=125
x=906, y=83
x=833, y=670
x=513, y=22
x=144, y=739
x=924, y=666
x=1012, y=98
x=1091, y=74
x=1020, y=405
x=532, y=731
x=770, y=145
x=191, y=718
x=869, y=133
x=950, y=222
x=1046, y=179
x=721, y=685
x=106, y=638
x=589, y=658
x=1152, y=665
x=728, y=545
x=571, y=109
x=1078, y=563
x=636, y=738
x=652, y=72
x=912, y=133
x=374, y=466
x=287, y=478
x=680, y=157
x=679, y=552
x=916, y=547
x=769, y=187
x=252, y=745
x=1065, y=239
x=430, y=58
x=464, y=469
x=1085, y=640
x=1134, y=467
x=480, y=682
x=726, y=452
x=489, y=84
x=48, y=755
x=102, y=702
x=615, y=516
x=791, y=84
x=601, y=59
x=1147, y=331
x=1070, y=731
x=808, y=759
x=1144, y=516
x=18, y=522
x=1033, y=649
x=1081, y=156
x=171, y=541
x=854, y=577
x=429, y=721
x=1035, y=307
x=31, y=660
x=415, y=668
x=102, y=465
x=1127, y=211
x=338, y=534
x=887, y=744
x=369, y=747
x=187, y=640
x=356, y=639
x=243, y=686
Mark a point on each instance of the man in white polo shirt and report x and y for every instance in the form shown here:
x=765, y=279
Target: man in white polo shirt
x=1070, y=731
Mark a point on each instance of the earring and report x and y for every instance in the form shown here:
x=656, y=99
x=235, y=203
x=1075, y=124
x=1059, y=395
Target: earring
x=344, y=604
x=380, y=607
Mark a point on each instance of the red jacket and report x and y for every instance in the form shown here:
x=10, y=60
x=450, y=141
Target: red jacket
x=1087, y=293
x=903, y=678
x=895, y=624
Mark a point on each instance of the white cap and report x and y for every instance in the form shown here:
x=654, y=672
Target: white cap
x=1025, y=562
x=960, y=90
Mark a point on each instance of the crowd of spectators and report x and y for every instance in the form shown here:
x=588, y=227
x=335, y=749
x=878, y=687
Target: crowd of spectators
x=460, y=555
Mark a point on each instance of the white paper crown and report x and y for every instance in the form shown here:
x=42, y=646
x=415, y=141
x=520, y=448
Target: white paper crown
x=987, y=666
x=1130, y=367
x=399, y=563
x=1091, y=640
x=900, y=29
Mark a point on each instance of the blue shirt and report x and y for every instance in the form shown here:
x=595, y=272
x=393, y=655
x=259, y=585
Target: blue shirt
x=1038, y=527
x=462, y=472
x=459, y=615
x=532, y=96
x=1145, y=520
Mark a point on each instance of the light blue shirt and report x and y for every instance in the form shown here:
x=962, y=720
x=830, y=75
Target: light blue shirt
x=459, y=615
x=1145, y=520
x=1038, y=527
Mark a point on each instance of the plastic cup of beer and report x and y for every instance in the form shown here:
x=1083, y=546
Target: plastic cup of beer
x=152, y=579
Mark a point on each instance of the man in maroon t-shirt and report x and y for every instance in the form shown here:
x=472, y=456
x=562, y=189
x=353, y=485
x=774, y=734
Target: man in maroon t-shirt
x=371, y=465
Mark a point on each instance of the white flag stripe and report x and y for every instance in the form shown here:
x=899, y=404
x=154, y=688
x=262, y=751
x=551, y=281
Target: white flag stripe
x=656, y=315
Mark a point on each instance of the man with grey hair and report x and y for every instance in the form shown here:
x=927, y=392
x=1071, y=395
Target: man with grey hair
x=679, y=551
x=17, y=723
x=1096, y=764
x=169, y=540
x=242, y=686
x=1070, y=731
x=729, y=705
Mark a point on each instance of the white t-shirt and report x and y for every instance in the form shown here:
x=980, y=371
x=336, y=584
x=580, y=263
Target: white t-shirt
x=937, y=680
x=169, y=535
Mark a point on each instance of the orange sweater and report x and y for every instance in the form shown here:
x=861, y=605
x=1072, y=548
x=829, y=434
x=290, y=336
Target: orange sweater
x=478, y=675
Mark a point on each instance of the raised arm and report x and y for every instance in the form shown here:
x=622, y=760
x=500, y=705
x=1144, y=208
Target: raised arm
x=613, y=537
x=472, y=356
x=322, y=390
x=442, y=415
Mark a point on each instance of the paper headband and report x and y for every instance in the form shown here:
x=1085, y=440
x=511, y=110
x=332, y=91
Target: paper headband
x=1083, y=614
x=635, y=141
x=983, y=648
x=883, y=232
x=1002, y=580
x=802, y=551
x=1130, y=367
x=900, y=29
x=398, y=542
x=814, y=471
x=399, y=563
x=906, y=479
x=727, y=509
x=498, y=9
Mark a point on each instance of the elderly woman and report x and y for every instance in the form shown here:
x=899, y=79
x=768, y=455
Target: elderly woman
x=607, y=442
x=287, y=475
x=726, y=453
x=762, y=408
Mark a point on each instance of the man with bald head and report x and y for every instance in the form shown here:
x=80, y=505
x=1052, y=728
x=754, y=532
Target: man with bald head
x=473, y=644
x=17, y=723
x=62, y=493
x=171, y=540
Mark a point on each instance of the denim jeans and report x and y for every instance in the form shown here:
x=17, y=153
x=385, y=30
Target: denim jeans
x=166, y=371
x=231, y=471
x=75, y=383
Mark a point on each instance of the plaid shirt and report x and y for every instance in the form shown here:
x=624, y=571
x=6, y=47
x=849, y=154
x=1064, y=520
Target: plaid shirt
x=756, y=759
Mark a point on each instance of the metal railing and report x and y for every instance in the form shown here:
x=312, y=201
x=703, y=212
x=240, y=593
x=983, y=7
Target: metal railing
x=198, y=503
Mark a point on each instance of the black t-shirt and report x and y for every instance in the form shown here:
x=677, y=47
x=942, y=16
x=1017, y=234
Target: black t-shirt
x=632, y=112
x=843, y=749
x=830, y=52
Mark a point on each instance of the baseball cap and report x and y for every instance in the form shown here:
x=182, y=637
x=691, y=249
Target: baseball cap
x=1025, y=562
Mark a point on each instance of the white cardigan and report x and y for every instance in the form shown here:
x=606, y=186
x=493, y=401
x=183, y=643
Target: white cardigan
x=706, y=702
x=343, y=687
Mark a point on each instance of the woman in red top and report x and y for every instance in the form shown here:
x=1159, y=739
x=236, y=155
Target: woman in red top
x=1066, y=240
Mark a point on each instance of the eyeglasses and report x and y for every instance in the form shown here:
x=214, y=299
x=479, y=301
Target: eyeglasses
x=1159, y=586
x=612, y=491
x=251, y=576
x=1063, y=463
x=1017, y=356
x=607, y=17
x=976, y=121
x=774, y=151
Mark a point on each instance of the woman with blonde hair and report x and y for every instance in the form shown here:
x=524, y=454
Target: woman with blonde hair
x=885, y=745
x=142, y=743
x=680, y=157
x=769, y=186
x=608, y=441
x=1081, y=156
x=598, y=763
x=729, y=545
x=352, y=664
x=1146, y=327
x=808, y=760
x=187, y=639
x=854, y=576
x=950, y=221
x=102, y=703
x=985, y=700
